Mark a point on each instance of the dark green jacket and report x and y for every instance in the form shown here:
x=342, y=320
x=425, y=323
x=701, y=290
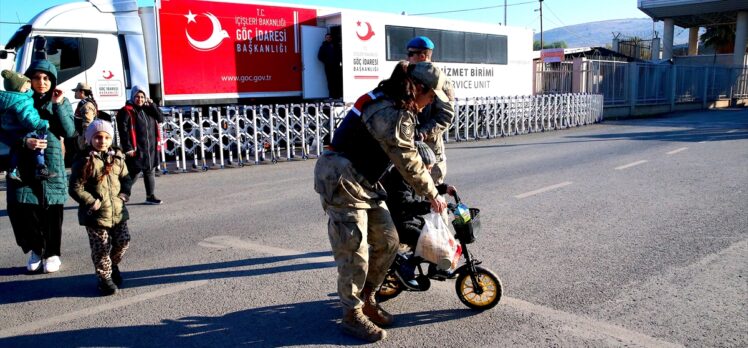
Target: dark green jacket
x=60, y=116
x=18, y=113
x=86, y=191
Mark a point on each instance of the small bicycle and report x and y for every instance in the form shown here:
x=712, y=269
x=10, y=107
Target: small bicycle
x=477, y=287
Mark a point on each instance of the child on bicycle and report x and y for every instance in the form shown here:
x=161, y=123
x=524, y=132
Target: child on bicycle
x=407, y=209
x=99, y=182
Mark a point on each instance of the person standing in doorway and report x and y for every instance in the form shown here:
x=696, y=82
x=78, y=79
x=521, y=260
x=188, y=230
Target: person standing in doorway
x=437, y=117
x=138, y=126
x=330, y=54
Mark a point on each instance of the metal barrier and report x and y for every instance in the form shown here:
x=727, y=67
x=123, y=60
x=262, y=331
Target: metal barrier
x=486, y=118
x=632, y=84
x=239, y=135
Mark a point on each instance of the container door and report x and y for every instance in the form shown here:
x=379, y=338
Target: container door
x=313, y=80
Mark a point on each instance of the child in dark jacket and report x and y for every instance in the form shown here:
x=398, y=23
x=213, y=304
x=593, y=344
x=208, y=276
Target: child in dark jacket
x=99, y=182
x=20, y=119
x=407, y=208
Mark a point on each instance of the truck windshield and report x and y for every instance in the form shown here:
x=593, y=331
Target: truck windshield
x=19, y=38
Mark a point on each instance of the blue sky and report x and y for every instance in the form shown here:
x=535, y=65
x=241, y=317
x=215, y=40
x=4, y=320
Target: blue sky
x=521, y=13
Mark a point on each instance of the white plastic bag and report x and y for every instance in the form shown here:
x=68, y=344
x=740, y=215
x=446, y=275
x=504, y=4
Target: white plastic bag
x=436, y=243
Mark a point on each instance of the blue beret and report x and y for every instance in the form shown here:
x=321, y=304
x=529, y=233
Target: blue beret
x=421, y=43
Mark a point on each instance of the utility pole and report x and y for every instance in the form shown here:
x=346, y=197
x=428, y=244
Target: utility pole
x=504, y=12
x=541, y=24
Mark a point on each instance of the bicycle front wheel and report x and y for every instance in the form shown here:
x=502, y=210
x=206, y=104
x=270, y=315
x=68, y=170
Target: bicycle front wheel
x=486, y=294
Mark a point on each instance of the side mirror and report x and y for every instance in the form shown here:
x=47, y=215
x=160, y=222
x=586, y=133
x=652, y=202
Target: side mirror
x=3, y=54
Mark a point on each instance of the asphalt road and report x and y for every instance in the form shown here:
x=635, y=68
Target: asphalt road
x=627, y=233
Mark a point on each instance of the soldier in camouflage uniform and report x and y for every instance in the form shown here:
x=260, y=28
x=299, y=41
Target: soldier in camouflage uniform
x=437, y=117
x=377, y=132
x=84, y=114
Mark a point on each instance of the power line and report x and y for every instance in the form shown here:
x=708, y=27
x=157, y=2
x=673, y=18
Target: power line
x=533, y=21
x=563, y=25
x=472, y=9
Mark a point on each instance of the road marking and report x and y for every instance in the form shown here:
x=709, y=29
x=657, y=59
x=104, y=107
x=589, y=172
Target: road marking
x=85, y=312
x=544, y=189
x=577, y=325
x=222, y=242
x=581, y=326
x=631, y=164
x=677, y=150
x=212, y=242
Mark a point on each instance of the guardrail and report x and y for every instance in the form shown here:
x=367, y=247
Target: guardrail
x=242, y=135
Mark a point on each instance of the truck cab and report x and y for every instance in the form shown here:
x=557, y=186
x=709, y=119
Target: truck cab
x=95, y=42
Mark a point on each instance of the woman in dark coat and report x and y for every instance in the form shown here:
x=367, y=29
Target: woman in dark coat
x=139, y=135
x=35, y=207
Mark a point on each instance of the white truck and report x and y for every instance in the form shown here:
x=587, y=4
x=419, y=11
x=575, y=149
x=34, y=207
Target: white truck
x=216, y=52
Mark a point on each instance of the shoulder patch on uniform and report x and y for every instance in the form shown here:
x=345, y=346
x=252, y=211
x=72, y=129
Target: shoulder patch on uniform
x=406, y=130
x=407, y=125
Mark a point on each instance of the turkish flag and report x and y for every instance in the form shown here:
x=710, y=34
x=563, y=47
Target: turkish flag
x=230, y=48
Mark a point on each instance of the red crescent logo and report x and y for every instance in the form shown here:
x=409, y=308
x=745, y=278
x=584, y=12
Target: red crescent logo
x=369, y=32
x=107, y=74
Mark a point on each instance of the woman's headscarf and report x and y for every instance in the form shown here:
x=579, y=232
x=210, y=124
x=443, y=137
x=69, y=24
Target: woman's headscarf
x=135, y=89
x=48, y=68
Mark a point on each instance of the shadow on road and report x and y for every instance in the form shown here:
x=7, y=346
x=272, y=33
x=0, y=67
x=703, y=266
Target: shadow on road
x=85, y=285
x=306, y=323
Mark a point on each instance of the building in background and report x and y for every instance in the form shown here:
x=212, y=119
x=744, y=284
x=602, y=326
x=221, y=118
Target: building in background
x=694, y=14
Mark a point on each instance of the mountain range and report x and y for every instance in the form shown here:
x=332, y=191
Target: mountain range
x=601, y=33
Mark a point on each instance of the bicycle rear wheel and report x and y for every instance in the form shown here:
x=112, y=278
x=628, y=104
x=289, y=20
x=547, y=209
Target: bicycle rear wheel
x=390, y=288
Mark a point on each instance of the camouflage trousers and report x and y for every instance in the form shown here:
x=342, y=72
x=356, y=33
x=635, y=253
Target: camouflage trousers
x=364, y=243
x=361, y=232
x=108, y=246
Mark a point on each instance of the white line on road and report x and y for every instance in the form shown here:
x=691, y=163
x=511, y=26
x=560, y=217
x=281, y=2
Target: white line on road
x=582, y=327
x=544, y=189
x=85, y=312
x=677, y=150
x=223, y=242
x=575, y=324
x=212, y=242
x=631, y=165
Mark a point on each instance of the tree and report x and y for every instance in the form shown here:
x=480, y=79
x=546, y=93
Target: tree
x=554, y=44
x=721, y=38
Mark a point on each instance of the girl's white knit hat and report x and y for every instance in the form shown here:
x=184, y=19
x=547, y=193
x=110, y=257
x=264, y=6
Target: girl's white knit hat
x=98, y=125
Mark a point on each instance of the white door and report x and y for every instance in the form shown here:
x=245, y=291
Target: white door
x=313, y=80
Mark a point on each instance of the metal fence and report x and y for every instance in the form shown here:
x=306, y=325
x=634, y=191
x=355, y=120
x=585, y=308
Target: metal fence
x=637, y=48
x=242, y=135
x=554, y=77
x=640, y=83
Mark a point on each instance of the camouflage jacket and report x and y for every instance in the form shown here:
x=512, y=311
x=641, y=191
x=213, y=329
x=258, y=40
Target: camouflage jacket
x=394, y=129
x=435, y=119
